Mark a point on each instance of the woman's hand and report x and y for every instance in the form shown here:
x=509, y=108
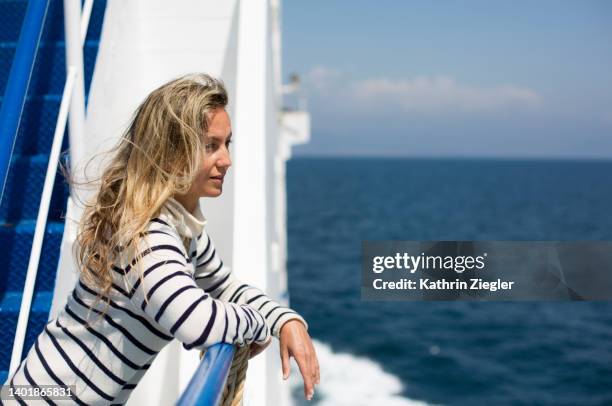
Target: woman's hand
x=295, y=342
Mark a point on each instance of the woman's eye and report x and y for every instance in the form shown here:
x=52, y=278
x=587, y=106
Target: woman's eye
x=212, y=146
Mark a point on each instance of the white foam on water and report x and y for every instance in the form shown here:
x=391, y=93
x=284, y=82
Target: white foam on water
x=352, y=380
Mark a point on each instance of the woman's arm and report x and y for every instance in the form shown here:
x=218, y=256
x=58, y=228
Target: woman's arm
x=288, y=326
x=219, y=281
x=176, y=303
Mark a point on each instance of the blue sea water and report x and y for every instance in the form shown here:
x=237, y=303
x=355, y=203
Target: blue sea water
x=452, y=353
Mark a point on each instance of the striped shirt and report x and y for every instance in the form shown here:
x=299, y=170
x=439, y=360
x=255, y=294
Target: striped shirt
x=185, y=292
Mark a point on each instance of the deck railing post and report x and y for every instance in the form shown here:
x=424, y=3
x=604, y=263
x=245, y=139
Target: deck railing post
x=74, y=58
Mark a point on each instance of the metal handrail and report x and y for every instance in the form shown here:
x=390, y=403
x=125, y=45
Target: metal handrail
x=18, y=81
x=208, y=382
x=66, y=106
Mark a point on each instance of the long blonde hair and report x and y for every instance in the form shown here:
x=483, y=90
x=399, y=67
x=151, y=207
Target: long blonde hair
x=158, y=155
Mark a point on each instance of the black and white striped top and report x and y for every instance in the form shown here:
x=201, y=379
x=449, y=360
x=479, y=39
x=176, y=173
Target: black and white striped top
x=191, y=296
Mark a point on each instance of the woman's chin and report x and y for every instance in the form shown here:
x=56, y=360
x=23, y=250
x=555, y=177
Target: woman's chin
x=213, y=191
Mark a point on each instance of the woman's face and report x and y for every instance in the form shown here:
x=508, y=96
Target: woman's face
x=216, y=159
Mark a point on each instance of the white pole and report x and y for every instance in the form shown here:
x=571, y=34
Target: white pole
x=85, y=19
x=74, y=58
x=253, y=186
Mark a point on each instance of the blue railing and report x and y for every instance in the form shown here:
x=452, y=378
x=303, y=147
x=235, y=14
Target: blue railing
x=17, y=83
x=208, y=382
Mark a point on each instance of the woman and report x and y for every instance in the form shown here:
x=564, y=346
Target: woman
x=143, y=250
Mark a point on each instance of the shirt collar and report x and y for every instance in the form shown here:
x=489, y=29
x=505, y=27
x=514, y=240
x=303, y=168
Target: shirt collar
x=187, y=224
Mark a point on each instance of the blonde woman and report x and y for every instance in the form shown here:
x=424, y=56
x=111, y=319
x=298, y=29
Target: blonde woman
x=143, y=250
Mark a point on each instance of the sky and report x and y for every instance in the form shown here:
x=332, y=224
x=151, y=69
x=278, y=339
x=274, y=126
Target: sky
x=526, y=79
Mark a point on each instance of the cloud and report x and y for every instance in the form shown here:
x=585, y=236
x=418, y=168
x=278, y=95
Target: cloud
x=439, y=94
x=322, y=78
x=424, y=95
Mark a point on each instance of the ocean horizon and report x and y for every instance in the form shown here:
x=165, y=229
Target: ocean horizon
x=451, y=353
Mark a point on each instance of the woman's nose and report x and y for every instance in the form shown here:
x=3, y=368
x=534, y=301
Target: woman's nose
x=225, y=161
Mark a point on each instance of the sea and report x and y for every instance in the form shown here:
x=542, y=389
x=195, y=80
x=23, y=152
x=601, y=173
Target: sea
x=445, y=353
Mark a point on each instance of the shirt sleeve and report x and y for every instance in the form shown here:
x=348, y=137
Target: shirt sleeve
x=177, y=304
x=218, y=280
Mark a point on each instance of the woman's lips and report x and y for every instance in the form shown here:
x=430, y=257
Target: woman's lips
x=217, y=179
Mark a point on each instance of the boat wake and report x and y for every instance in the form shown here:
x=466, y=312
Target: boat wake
x=347, y=379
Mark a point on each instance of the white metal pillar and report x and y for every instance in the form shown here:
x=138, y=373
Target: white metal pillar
x=251, y=239
x=74, y=58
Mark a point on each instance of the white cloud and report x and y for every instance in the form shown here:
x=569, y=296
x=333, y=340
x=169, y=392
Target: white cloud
x=322, y=78
x=440, y=94
x=421, y=95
